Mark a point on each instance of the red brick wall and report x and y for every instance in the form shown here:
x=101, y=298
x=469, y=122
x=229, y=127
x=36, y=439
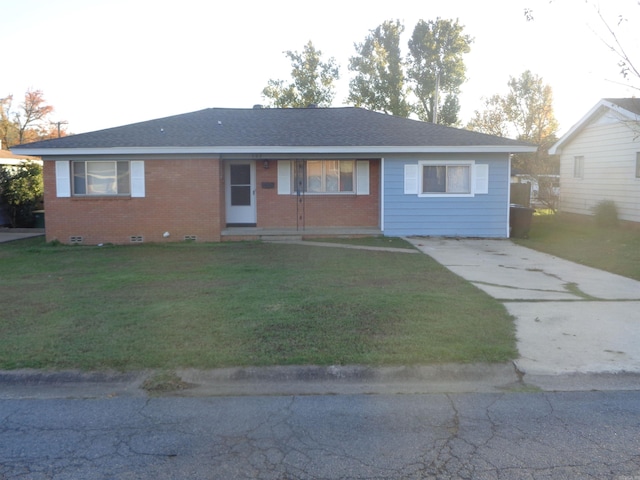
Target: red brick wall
x=275, y=210
x=186, y=197
x=183, y=197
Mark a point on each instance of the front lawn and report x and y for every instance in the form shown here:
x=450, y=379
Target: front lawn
x=238, y=304
x=614, y=249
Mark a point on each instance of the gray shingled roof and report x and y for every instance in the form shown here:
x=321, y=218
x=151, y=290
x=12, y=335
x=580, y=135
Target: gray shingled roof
x=274, y=127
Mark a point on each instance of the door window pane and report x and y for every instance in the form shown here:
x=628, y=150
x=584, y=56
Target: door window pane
x=240, y=195
x=240, y=174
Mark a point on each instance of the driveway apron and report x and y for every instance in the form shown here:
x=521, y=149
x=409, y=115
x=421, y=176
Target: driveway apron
x=569, y=318
x=9, y=235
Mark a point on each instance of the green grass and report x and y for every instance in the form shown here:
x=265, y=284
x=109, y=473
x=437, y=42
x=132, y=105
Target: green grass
x=614, y=249
x=238, y=304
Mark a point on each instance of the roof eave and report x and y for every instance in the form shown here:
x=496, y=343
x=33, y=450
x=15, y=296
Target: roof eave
x=573, y=131
x=48, y=152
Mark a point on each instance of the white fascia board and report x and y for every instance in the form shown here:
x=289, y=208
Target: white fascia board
x=272, y=150
x=602, y=104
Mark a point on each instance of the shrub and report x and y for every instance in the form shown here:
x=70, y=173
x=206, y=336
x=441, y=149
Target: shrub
x=21, y=189
x=606, y=213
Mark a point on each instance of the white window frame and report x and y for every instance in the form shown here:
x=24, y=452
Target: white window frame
x=114, y=181
x=64, y=180
x=447, y=163
x=325, y=175
x=361, y=172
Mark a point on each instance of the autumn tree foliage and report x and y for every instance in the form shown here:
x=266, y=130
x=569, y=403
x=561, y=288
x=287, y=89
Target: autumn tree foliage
x=29, y=121
x=525, y=112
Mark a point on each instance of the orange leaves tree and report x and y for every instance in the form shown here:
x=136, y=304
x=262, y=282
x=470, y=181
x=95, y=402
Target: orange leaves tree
x=29, y=122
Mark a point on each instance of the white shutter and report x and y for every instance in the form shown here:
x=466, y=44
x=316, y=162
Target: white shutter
x=284, y=177
x=362, y=180
x=482, y=178
x=137, y=178
x=411, y=186
x=63, y=179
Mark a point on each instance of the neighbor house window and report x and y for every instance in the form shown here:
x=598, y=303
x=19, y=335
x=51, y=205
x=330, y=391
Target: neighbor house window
x=446, y=179
x=638, y=165
x=328, y=176
x=578, y=167
x=101, y=178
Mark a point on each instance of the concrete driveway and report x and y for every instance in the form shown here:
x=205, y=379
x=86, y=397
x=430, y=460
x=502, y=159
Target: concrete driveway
x=11, y=234
x=569, y=318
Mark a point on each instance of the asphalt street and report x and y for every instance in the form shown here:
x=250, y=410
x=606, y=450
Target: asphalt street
x=434, y=436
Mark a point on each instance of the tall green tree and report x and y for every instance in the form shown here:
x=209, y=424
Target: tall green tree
x=491, y=119
x=436, y=68
x=379, y=83
x=312, y=81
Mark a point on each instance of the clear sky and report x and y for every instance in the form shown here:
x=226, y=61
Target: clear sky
x=105, y=63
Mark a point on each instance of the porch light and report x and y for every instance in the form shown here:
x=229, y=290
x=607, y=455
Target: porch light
x=265, y=164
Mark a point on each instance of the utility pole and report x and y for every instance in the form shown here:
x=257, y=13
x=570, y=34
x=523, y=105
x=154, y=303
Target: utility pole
x=58, y=125
x=435, y=98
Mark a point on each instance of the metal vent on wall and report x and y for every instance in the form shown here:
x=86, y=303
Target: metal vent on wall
x=136, y=239
x=191, y=238
x=76, y=239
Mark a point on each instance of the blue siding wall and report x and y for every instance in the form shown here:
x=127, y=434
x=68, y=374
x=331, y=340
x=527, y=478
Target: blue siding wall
x=484, y=215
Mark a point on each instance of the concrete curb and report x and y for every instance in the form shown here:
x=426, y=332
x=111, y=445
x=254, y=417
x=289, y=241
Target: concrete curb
x=305, y=380
x=346, y=380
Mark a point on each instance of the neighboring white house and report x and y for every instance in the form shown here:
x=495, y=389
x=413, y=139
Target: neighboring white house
x=8, y=158
x=600, y=159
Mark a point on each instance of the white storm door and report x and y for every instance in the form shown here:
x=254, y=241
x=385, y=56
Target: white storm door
x=241, y=193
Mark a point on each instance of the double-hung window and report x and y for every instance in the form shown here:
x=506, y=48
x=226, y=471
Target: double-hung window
x=323, y=177
x=101, y=178
x=329, y=176
x=446, y=179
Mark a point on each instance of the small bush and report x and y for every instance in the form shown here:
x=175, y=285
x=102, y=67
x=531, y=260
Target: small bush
x=606, y=214
x=21, y=189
